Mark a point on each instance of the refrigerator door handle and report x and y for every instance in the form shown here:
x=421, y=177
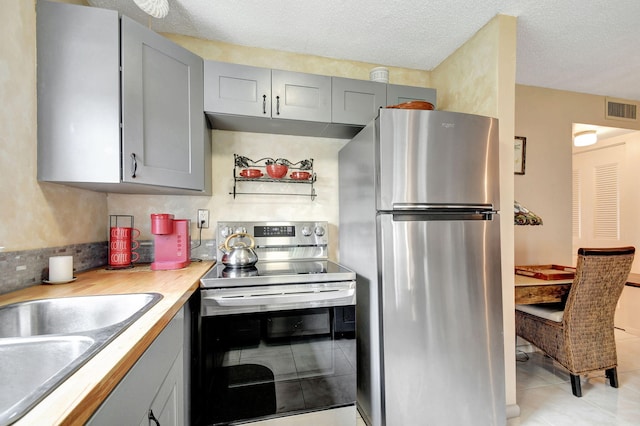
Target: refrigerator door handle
x=413, y=207
x=426, y=216
x=421, y=212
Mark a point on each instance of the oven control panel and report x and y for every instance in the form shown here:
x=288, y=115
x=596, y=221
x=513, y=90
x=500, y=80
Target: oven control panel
x=281, y=234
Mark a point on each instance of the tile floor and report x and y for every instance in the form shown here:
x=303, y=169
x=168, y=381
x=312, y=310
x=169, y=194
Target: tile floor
x=345, y=416
x=543, y=394
x=545, y=398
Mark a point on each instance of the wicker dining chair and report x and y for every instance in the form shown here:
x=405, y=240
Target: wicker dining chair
x=579, y=333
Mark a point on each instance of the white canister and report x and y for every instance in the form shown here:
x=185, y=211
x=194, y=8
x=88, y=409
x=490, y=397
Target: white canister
x=379, y=74
x=60, y=269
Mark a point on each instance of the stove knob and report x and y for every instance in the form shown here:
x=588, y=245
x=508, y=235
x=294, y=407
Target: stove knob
x=225, y=231
x=319, y=231
x=306, y=231
x=241, y=230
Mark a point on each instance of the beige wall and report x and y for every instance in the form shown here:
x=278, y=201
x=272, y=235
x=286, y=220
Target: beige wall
x=545, y=118
x=468, y=80
x=33, y=215
x=479, y=78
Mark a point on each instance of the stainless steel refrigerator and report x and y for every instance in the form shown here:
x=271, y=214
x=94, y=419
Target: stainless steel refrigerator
x=420, y=225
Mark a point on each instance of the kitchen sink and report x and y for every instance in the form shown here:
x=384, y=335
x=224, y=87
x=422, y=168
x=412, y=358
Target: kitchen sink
x=42, y=342
x=30, y=365
x=70, y=315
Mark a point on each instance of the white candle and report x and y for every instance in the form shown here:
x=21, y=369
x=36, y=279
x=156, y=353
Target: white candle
x=60, y=269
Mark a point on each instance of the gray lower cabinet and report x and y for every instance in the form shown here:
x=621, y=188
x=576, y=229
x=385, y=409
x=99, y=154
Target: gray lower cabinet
x=154, y=387
x=120, y=108
x=167, y=408
x=397, y=94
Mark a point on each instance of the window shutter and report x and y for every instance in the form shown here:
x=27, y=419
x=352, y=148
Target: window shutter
x=607, y=202
x=576, y=204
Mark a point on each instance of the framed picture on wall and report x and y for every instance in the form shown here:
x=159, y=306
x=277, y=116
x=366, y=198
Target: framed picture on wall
x=519, y=152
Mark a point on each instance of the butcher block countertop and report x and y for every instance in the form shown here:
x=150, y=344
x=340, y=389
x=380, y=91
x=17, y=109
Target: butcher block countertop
x=75, y=400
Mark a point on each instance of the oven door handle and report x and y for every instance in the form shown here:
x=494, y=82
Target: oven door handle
x=281, y=298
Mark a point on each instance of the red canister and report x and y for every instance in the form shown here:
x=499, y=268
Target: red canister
x=161, y=223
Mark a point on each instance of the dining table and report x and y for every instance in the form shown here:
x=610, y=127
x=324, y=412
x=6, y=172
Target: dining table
x=530, y=290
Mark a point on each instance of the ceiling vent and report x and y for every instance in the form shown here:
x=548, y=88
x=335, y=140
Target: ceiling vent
x=618, y=109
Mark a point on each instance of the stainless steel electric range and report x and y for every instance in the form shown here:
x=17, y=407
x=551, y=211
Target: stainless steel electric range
x=277, y=338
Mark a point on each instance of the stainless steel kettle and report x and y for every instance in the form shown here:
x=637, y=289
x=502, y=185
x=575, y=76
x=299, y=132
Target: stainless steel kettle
x=239, y=255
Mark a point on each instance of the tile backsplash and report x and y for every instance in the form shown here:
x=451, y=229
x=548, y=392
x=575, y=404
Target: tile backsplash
x=21, y=269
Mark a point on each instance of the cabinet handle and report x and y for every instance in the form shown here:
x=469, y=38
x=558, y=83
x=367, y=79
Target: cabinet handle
x=134, y=165
x=277, y=105
x=153, y=418
x=264, y=104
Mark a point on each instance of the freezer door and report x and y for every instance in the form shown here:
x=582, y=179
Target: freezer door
x=441, y=315
x=436, y=157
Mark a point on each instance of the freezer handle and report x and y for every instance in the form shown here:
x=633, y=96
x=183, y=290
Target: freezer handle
x=424, y=212
x=475, y=208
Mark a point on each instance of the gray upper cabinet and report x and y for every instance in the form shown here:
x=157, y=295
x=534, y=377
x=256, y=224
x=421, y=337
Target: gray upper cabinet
x=234, y=94
x=397, y=94
x=300, y=96
x=356, y=101
x=120, y=108
x=162, y=111
x=78, y=93
x=262, y=100
x=237, y=89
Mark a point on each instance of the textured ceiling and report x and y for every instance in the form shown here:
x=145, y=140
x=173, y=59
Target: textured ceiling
x=588, y=46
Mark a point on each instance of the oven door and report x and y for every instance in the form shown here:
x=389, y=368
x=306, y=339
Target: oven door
x=273, y=362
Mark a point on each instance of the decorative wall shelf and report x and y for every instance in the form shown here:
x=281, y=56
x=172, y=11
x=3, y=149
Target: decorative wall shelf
x=248, y=171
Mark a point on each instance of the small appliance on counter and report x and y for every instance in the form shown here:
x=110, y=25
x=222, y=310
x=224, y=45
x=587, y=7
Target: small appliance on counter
x=172, y=242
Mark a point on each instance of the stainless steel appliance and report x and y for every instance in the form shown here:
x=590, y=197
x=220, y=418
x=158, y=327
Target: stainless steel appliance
x=419, y=223
x=277, y=338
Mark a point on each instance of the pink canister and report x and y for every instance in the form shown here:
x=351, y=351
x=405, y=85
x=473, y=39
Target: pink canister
x=161, y=223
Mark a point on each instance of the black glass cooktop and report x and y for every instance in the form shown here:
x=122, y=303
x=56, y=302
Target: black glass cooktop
x=265, y=273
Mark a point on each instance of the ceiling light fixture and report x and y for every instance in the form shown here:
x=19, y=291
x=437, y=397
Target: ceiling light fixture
x=586, y=138
x=156, y=8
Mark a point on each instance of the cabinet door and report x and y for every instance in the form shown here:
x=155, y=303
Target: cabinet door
x=237, y=89
x=356, y=101
x=162, y=111
x=397, y=94
x=300, y=96
x=78, y=93
x=156, y=381
x=168, y=406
